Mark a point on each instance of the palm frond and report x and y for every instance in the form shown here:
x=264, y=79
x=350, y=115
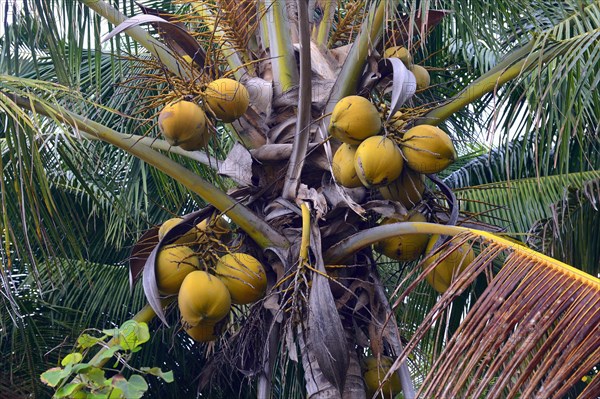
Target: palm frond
x=520, y=336
x=518, y=204
x=571, y=234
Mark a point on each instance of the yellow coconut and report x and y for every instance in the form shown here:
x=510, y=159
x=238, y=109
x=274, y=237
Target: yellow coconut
x=186, y=239
x=183, y=122
x=196, y=143
x=244, y=276
x=219, y=227
x=375, y=373
x=398, y=52
x=443, y=274
x=343, y=166
x=203, y=332
x=406, y=247
x=228, y=99
x=398, y=121
x=407, y=189
x=203, y=298
x=173, y=264
x=421, y=76
x=378, y=161
x=428, y=149
x=354, y=118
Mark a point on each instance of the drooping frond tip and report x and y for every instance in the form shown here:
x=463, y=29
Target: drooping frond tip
x=534, y=332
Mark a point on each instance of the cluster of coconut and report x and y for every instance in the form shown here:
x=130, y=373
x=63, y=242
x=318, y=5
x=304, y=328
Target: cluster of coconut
x=421, y=75
x=395, y=166
x=184, y=123
x=205, y=292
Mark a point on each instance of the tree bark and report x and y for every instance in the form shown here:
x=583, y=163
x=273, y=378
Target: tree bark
x=318, y=387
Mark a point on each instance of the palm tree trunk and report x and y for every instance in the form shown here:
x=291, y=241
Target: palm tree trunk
x=317, y=385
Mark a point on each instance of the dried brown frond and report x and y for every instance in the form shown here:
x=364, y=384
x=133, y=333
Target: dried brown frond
x=532, y=333
x=349, y=18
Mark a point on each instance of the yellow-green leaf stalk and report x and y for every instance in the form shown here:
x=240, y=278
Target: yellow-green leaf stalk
x=370, y=236
x=349, y=77
x=255, y=227
x=283, y=60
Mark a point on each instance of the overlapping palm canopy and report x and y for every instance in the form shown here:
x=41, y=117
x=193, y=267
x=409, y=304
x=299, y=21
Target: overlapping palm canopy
x=85, y=173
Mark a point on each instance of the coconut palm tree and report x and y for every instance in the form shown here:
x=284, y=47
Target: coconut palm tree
x=87, y=179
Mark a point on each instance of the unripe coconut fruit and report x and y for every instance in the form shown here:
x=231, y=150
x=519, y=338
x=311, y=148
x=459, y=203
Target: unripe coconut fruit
x=405, y=247
x=244, y=276
x=398, y=121
x=219, y=227
x=342, y=166
x=375, y=373
x=421, y=76
x=187, y=238
x=183, y=123
x=398, y=52
x=378, y=161
x=354, y=118
x=407, y=189
x=173, y=264
x=196, y=143
x=203, y=298
x=442, y=275
x=203, y=332
x=228, y=99
x=428, y=149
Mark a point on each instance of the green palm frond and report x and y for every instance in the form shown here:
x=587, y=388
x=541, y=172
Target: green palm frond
x=571, y=233
x=72, y=297
x=552, y=106
x=514, y=162
x=522, y=202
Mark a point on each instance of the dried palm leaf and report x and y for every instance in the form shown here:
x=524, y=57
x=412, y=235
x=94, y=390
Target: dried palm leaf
x=526, y=336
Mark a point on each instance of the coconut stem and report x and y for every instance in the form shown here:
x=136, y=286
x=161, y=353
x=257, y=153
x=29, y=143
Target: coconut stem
x=349, y=77
x=263, y=234
x=300, y=145
x=145, y=315
x=511, y=68
x=283, y=61
x=305, y=233
x=325, y=25
x=370, y=236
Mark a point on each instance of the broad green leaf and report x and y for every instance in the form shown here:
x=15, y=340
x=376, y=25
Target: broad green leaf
x=132, y=389
x=81, y=368
x=107, y=354
x=133, y=334
x=53, y=376
x=69, y=389
x=165, y=375
x=72, y=358
x=86, y=341
x=96, y=375
x=111, y=333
